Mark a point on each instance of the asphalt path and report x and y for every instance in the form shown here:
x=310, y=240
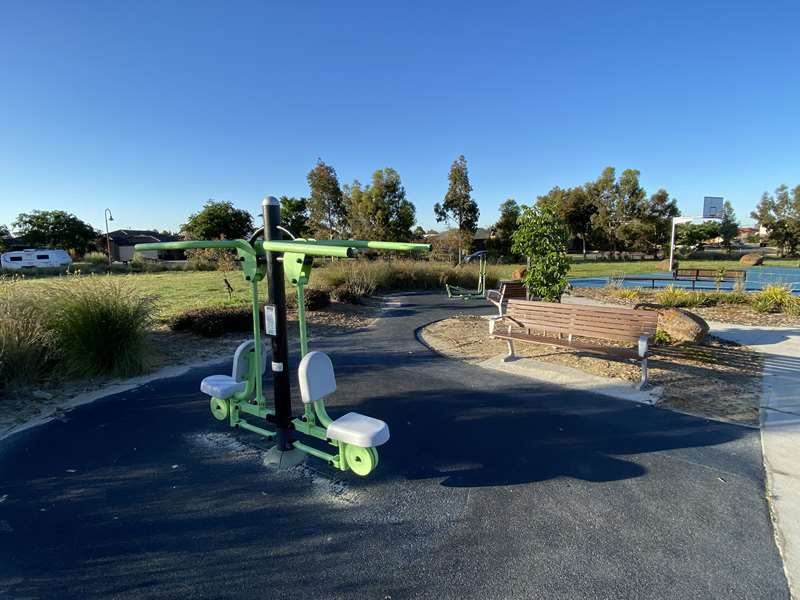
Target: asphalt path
x=491, y=486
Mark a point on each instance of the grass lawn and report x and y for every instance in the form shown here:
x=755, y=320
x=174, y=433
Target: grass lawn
x=179, y=291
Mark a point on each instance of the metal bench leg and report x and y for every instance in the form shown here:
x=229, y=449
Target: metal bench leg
x=510, y=356
x=643, y=382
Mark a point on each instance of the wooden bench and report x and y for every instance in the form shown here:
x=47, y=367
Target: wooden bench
x=506, y=290
x=559, y=324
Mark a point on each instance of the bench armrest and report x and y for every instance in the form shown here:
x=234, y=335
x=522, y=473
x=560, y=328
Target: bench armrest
x=493, y=293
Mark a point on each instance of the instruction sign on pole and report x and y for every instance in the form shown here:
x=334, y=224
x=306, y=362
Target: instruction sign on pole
x=269, y=320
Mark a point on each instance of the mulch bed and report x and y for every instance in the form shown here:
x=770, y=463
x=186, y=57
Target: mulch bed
x=715, y=379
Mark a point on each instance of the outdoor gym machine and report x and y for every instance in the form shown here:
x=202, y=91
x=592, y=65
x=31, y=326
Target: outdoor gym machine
x=453, y=291
x=354, y=437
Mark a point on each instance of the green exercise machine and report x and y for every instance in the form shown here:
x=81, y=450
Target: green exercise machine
x=453, y=291
x=239, y=398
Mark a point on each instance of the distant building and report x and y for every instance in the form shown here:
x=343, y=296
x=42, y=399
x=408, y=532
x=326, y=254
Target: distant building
x=122, y=242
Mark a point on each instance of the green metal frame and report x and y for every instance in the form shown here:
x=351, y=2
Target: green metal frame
x=297, y=257
x=454, y=291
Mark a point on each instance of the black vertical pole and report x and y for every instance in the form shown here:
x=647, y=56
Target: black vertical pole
x=280, y=346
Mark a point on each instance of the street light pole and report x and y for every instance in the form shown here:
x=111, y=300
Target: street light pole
x=108, y=217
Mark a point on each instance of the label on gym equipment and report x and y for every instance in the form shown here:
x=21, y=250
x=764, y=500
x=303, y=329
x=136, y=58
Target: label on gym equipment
x=277, y=367
x=269, y=320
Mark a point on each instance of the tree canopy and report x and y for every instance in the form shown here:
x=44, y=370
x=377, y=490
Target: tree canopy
x=780, y=215
x=326, y=205
x=218, y=220
x=294, y=215
x=380, y=210
x=458, y=203
x=55, y=229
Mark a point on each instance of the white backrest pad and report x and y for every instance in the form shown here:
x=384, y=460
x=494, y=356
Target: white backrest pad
x=240, y=362
x=317, y=379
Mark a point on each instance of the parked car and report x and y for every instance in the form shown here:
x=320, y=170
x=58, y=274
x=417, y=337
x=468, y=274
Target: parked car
x=35, y=258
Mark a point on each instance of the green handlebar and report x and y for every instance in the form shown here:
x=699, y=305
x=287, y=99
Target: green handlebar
x=341, y=251
x=196, y=244
x=402, y=246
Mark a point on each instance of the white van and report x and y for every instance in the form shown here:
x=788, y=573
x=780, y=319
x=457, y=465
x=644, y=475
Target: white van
x=33, y=259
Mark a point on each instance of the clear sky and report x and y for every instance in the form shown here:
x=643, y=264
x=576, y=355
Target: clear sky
x=150, y=108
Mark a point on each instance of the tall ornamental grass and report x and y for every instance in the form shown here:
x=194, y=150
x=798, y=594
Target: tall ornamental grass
x=27, y=345
x=363, y=277
x=75, y=325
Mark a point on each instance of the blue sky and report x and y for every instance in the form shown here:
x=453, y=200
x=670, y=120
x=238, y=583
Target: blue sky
x=150, y=108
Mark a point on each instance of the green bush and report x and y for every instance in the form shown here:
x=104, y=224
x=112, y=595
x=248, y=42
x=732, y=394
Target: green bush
x=99, y=325
x=680, y=297
x=95, y=258
x=776, y=298
x=215, y=321
x=27, y=346
x=316, y=299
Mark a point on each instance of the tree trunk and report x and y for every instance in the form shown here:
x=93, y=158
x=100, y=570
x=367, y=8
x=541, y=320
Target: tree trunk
x=583, y=241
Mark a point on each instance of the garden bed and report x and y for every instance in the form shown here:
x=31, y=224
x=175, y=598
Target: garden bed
x=716, y=379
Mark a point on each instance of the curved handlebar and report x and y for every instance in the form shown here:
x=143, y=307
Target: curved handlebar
x=246, y=248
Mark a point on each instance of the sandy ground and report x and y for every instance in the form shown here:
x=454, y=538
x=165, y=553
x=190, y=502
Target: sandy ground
x=732, y=313
x=172, y=352
x=716, y=379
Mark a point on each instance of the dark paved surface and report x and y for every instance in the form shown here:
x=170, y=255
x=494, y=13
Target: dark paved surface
x=491, y=487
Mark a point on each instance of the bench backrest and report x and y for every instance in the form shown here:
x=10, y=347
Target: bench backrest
x=711, y=273
x=601, y=322
x=513, y=289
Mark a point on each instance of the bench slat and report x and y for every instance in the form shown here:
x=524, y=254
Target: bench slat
x=574, y=345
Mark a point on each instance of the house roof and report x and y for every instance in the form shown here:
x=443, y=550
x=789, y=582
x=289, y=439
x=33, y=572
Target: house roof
x=130, y=237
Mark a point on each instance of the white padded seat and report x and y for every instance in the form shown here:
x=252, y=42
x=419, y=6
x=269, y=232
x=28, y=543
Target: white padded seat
x=359, y=430
x=318, y=380
x=225, y=386
x=221, y=386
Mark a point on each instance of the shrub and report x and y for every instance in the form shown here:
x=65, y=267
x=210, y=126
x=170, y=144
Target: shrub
x=542, y=236
x=215, y=321
x=679, y=297
x=776, y=298
x=662, y=338
x=95, y=258
x=316, y=299
x=27, y=346
x=625, y=293
x=363, y=277
x=98, y=324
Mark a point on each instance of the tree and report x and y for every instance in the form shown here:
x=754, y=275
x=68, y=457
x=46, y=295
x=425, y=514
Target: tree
x=55, y=229
x=4, y=233
x=380, y=211
x=218, y=221
x=458, y=204
x=650, y=231
x=294, y=215
x=729, y=226
x=542, y=237
x=326, y=205
x=575, y=207
x=505, y=227
x=603, y=195
x=694, y=235
x=780, y=215
x=418, y=233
